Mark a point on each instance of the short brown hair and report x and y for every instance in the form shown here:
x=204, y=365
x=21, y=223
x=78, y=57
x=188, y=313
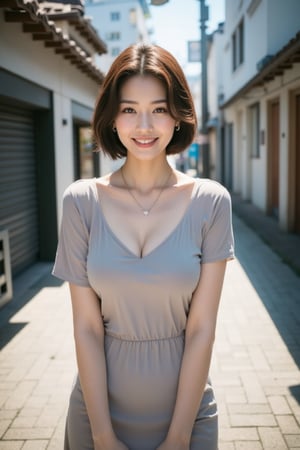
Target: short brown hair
x=144, y=59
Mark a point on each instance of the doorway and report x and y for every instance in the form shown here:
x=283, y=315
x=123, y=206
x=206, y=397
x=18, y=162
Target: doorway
x=273, y=157
x=297, y=164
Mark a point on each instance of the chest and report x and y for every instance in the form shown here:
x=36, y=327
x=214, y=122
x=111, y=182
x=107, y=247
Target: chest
x=142, y=233
x=173, y=266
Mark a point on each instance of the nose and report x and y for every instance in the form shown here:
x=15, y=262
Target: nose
x=144, y=121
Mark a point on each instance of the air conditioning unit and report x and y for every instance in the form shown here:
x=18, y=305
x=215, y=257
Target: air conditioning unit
x=158, y=2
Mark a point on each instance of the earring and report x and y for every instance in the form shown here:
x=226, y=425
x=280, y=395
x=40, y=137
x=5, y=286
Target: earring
x=114, y=129
x=177, y=127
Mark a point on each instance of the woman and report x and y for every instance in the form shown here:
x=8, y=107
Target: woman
x=144, y=250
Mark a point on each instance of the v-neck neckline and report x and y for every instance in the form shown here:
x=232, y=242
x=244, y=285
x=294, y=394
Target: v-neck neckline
x=160, y=244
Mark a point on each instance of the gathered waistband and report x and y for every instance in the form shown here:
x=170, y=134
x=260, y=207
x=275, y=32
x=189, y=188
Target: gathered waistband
x=138, y=340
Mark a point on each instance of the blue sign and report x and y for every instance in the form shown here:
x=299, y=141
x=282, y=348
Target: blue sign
x=194, y=150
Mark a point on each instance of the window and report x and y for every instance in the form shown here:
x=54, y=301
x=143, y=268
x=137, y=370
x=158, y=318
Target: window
x=238, y=46
x=115, y=51
x=241, y=41
x=115, y=16
x=113, y=36
x=254, y=131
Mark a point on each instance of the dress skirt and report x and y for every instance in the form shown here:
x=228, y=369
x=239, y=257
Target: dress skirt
x=142, y=383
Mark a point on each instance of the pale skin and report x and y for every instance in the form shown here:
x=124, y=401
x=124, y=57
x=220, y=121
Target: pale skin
x=145, y=127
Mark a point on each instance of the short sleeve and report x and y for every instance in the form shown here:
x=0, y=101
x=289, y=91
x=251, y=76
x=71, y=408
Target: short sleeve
x=71, y=255
x=217, y=239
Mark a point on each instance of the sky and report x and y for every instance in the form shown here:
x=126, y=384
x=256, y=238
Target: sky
x=178, y=21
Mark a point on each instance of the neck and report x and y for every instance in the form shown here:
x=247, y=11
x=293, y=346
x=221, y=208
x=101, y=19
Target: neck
x=146, y=177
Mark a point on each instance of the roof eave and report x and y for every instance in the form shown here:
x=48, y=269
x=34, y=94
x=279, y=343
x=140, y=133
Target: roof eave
x=283, y=60
x=27, y=13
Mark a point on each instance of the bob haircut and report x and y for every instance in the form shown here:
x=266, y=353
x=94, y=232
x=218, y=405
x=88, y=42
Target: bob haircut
x=142, y=60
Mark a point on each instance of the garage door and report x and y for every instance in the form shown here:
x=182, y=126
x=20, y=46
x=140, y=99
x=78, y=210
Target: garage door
x=18, y=199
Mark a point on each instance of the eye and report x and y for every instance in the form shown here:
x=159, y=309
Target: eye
x=128, y=110
x=160, y=110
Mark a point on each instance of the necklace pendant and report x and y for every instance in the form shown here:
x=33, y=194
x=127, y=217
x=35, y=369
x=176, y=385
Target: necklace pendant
x=146, y=212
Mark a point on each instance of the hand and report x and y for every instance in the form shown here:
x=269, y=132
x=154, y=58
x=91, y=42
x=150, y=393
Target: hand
x=118, y=445
x=168, y=445
x=113, y=444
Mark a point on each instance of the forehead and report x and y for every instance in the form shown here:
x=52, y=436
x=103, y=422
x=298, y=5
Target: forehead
x=142, y=85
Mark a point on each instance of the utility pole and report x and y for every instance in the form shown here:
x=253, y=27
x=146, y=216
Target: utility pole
x=204, y=145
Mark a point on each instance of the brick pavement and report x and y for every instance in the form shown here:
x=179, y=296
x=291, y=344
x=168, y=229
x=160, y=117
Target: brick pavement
x=255, y=368
x=286, y=245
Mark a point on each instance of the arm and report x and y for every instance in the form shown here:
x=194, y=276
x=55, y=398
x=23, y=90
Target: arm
x=200, y=333
x=89, y=343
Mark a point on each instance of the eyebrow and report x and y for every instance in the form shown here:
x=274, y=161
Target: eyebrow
x=132, y=102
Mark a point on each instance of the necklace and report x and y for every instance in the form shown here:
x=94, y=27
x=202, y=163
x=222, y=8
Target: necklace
x=146, y=212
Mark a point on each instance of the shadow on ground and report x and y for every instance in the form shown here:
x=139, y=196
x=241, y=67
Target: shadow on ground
x=295, y=391
x=26, y=286
x=277, y=286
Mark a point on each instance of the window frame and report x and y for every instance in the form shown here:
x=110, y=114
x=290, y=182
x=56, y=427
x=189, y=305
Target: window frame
x=238, y=43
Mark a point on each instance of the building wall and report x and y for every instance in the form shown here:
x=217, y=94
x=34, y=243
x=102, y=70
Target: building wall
x=282, y=23
x=264, y=34
x=250, y=175
x=31, y=60
x=240, y=168
x=130, y=31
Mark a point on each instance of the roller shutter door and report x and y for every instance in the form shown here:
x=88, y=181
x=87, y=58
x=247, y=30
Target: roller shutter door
x=18, y=199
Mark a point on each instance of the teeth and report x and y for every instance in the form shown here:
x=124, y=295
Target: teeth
x=144, y=141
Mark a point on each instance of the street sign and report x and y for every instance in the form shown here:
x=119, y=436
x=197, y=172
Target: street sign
x=193, y=150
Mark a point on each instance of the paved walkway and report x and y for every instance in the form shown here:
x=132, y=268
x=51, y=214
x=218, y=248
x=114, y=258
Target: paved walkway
x=286, y=245
x=255, y=366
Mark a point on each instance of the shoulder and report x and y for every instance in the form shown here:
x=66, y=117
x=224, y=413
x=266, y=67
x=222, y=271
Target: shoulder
x=211, y=190
x=80, y=197
x=80, y=190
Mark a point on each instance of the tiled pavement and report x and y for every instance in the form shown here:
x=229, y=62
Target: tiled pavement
x=255, y=366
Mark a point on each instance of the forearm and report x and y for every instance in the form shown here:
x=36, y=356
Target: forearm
x=192, y=381
x=93, y=379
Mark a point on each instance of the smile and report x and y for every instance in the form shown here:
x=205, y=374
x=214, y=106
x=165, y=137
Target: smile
x=145, y=141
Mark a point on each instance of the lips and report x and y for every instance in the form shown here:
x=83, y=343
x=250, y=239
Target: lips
x=145, y=141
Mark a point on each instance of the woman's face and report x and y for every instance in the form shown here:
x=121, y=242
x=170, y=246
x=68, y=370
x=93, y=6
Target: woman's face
x=144, y=124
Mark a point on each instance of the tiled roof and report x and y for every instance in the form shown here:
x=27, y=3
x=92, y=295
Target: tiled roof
x=73, y=14
x=35, y=20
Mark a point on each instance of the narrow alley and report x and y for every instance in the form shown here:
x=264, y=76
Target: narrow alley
x=255, y=367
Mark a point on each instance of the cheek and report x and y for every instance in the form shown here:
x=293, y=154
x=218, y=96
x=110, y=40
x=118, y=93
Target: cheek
x=167, y=123
x=169, y=127
x=124, y=122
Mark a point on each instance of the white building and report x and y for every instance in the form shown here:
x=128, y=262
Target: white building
x=120, y=23
x=48, y=85
x=260, y=106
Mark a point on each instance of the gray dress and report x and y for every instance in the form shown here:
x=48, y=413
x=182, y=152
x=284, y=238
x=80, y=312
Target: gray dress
x=145, y=303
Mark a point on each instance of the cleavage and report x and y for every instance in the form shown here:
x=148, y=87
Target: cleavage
x=138, y=233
